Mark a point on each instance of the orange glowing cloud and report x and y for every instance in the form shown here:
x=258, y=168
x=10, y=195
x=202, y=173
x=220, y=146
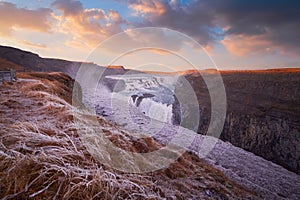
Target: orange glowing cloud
x=148, y=7
x=158, y=51
x=242, y=45
x=114, y=15
x=28, y=43
x=21, y=18
x=86, y=27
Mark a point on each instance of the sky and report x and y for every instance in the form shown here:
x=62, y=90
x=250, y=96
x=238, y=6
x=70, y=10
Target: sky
x=235, y=34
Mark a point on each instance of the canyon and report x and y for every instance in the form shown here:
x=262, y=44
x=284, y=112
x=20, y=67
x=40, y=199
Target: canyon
x=262, y=108
x=262, y=113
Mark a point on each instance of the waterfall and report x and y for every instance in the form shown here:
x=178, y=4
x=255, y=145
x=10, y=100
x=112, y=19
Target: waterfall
x=152, y=95
x=155, y=110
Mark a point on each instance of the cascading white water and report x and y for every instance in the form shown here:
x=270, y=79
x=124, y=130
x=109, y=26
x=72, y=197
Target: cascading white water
x=155, y=110
x=150, y=94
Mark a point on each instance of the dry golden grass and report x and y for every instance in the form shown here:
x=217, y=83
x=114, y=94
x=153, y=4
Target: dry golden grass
x=43, y=157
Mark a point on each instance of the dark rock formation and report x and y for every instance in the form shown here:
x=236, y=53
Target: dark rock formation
x=263, y=113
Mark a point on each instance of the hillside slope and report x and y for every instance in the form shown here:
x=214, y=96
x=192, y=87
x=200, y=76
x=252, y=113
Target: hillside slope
x=28, y=61
x=42, y=156
x=33, y=62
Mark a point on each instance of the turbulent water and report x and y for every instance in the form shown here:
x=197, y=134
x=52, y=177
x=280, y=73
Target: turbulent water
x=156, y=110
x=152, y=96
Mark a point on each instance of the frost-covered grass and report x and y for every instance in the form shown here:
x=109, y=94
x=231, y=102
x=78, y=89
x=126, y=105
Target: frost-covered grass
x=43, y=157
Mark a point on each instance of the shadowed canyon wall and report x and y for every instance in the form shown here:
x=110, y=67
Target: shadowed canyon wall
x=263, y=113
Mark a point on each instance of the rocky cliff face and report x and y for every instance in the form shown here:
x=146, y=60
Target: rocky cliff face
x=273, y=138
x=262, y=113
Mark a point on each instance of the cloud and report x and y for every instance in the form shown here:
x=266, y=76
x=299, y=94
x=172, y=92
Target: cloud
x=147, y=7
x=13, y=17
x=243, y=27
x=68, y=7
x=86, y=26
x=115, y=16
x=28, y=43
x=275, y=24
x=158, y=51
x=261, y=44
x=194, y=20
x=148, y=38
x=241, y=45
x=268, y=24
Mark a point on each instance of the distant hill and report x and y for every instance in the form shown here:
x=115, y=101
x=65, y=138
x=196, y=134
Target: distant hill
x=6, y=65
x=33, y=62
x=20, y=60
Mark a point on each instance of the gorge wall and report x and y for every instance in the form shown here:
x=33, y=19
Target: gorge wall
x=273, y=138
x=263, y=113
